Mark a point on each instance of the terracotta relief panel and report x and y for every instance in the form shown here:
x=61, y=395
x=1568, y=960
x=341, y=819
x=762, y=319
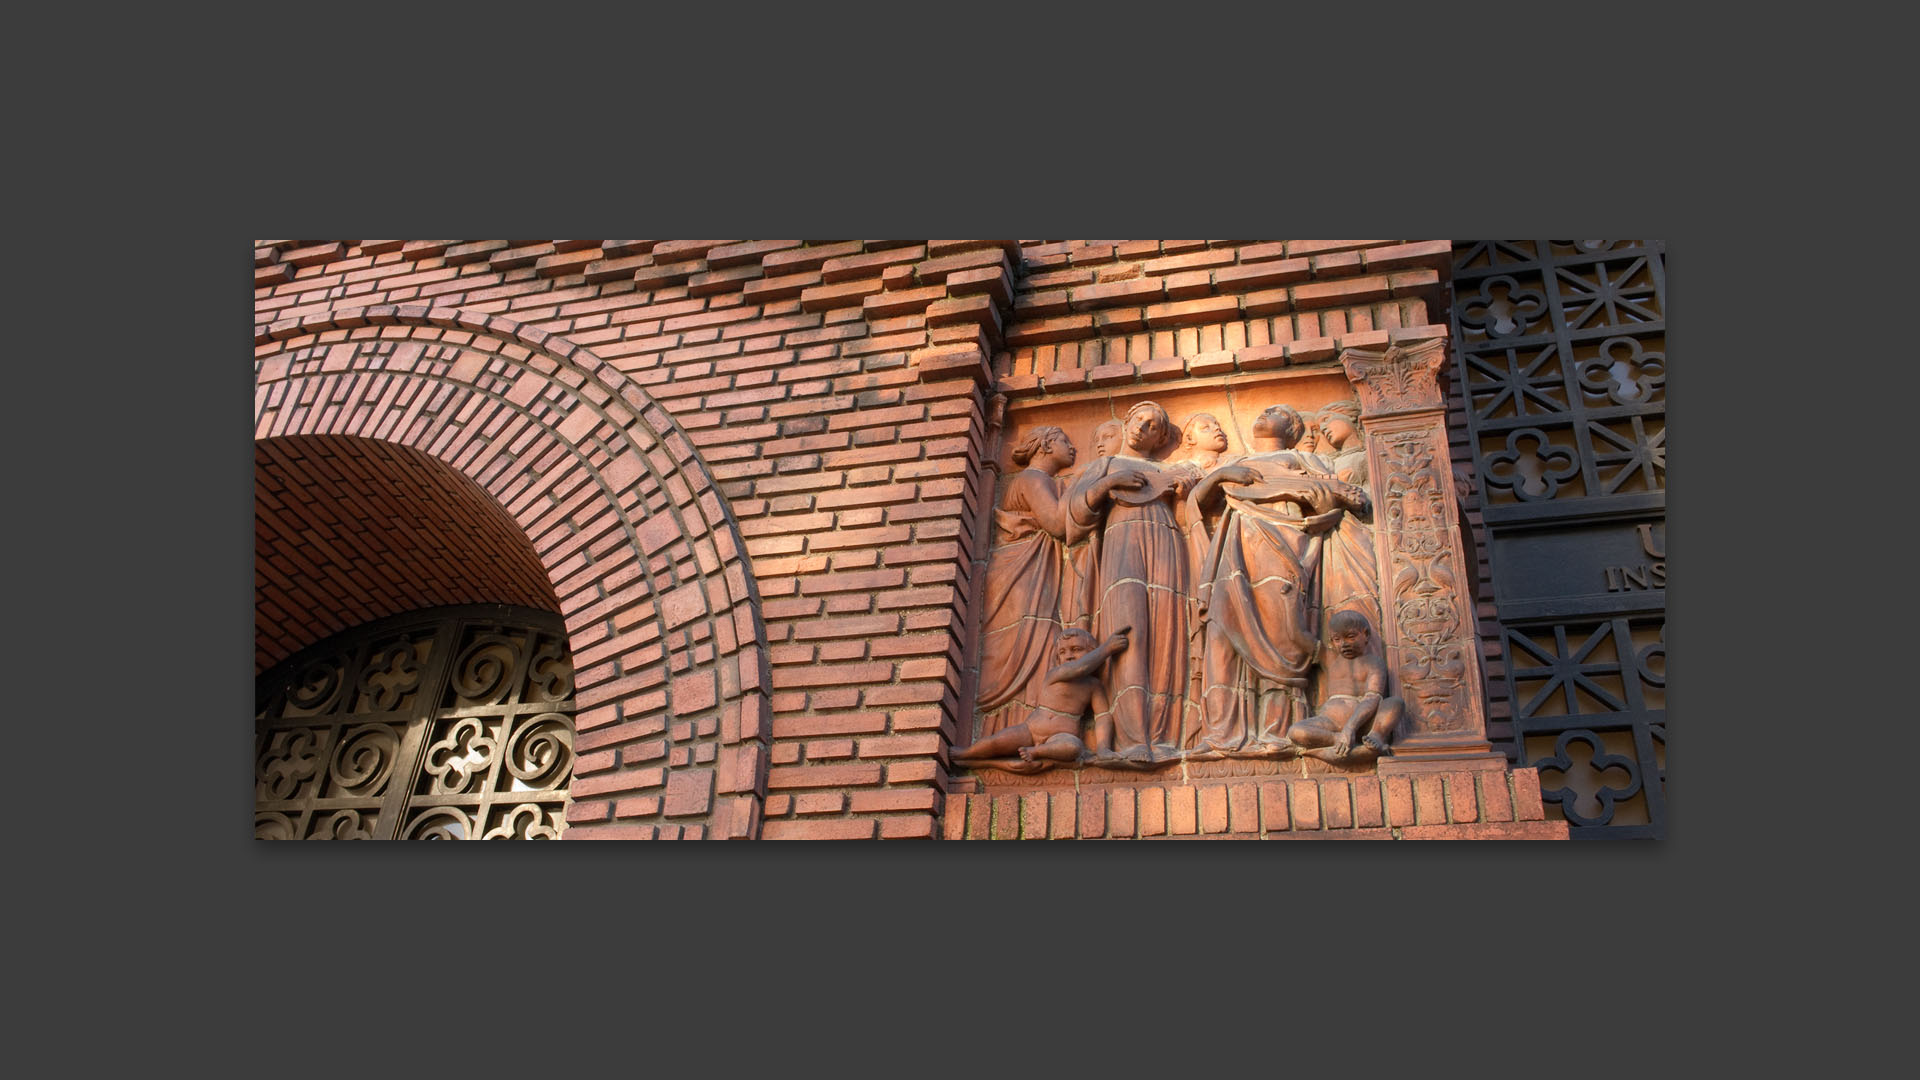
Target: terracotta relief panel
x=1194, y=574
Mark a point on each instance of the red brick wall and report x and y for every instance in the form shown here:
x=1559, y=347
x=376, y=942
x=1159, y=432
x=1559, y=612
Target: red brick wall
x=832, y=393
x=812, y=416
x=1110, y=313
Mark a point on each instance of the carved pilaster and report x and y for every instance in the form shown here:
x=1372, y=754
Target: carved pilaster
x=1433, y=659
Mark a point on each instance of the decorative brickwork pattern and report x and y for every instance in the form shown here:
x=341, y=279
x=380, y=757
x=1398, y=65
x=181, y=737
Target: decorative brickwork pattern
x=1112, y=313
x=834, y=393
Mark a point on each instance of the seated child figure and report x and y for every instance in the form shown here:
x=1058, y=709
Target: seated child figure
x=1052, y=730
x=1356, y=705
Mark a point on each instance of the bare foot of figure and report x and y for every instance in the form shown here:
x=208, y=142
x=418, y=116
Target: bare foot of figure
x=1369, y=748
x=1358, y=755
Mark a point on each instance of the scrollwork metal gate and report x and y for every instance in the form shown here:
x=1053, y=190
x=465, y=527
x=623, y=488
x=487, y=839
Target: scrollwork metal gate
x=442, y=724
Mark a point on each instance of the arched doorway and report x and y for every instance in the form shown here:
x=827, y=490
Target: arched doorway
x=626, y=525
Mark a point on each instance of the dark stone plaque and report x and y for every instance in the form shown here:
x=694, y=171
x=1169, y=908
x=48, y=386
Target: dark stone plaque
x=1595, y=569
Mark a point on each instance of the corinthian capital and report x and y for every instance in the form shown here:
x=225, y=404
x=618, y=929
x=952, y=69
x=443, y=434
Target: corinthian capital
x=1400, y=380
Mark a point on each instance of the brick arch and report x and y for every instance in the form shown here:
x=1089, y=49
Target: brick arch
x=350, y=530
x=642, y=552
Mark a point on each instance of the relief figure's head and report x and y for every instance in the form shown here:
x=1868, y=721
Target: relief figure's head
x=1340, y=425
x=1349, y=632
x=1046, y=449
x=1278, y=428
x=1203, y=435
x=1147, y=428
x=1310, y=434
x=1074, y=644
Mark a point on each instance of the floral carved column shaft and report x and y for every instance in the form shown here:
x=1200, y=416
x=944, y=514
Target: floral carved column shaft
x=1428, y=632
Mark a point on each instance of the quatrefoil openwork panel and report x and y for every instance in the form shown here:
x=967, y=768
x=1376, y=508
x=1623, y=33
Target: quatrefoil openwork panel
x=1503, y=308
x=523, y=822
x=1624, y=372
x=463, y=753
x=391, y=674
x=291, y=758
x=1586, y=779
x=1532, y=467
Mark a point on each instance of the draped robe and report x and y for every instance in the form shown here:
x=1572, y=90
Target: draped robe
x=1349, y=574
x=1137, y=574
x=1257, y=584
x=1022, y=620
x=1198, y=537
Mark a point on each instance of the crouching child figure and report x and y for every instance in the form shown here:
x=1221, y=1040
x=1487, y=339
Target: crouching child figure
x=1356, y=704
x=1051, y=732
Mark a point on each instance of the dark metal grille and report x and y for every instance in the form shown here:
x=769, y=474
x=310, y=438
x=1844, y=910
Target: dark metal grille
x=1562, y=356
x=1561, y=366
x=445, y=724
